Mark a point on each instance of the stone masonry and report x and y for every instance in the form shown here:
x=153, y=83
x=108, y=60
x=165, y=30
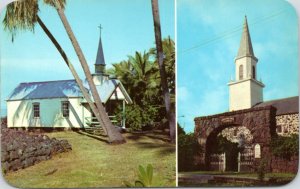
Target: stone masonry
x=260, y=122
x=287, y=124
x=19, y=149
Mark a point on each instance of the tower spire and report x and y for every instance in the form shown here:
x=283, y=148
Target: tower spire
x=100, y=62
x=246, y=44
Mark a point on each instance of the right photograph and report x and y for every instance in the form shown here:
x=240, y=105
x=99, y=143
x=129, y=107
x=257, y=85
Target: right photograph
x=237, y=93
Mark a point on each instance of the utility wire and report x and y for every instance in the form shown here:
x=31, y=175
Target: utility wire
x=232, y=32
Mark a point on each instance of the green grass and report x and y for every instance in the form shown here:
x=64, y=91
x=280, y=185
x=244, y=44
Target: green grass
x=94, y=163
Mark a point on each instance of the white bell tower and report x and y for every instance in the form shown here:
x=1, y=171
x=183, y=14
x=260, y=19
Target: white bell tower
x=245, y=91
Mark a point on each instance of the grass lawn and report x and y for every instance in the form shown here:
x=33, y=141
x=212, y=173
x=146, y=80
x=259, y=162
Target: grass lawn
x=94, y=163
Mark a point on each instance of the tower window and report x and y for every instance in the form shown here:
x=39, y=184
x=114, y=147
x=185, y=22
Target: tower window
x=240, y=72
x=36, y=110
x=253, y=72
x=65, y=108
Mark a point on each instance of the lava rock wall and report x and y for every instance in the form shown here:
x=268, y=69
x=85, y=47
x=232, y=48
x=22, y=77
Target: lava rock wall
x=19, y=149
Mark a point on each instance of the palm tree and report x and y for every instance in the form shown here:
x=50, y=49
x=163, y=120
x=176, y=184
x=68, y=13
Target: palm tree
x=139, y=75
x=23, y=15
x=162, y=70
x=114, y=135
x=144, y=76
x=124, y=72
x=169, y=61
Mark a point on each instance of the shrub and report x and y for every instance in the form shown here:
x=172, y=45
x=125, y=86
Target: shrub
x=139, y=118
x=285, y=147
x=188, y=148
x=261, y=170
x=144, y=177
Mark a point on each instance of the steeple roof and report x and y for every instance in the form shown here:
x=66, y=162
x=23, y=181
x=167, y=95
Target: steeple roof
x=100, y=55
x=245, y=45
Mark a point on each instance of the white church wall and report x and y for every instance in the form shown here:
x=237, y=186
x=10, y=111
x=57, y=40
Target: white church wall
x=244, y=94
x=117, y=95
x=20, y=113
x=239, y=95
x=256, y=93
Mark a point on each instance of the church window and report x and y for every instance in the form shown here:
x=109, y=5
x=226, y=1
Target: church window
x=253, y=72
x=235, y=132
x=36, y=110
x=279, y=129
x=240, y=72
x=65, y=108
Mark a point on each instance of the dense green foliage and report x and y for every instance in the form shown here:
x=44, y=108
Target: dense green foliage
x=188, y=148
x=285, y=147
x=261, y=170
x=231, y=149
x=140, y=76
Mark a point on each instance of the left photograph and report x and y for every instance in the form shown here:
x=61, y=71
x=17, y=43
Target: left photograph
x=88, y=93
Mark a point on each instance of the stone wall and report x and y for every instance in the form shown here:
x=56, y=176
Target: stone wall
x=234, y=134
x=284, y=165
x=287, y=124
x=260, y=122
x=19, y=149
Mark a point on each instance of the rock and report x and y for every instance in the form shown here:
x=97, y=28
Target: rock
x=5, y=167
x=16, y=164
x=13, y=155
x=4, y=156
x=19, y=149
x=20, y=152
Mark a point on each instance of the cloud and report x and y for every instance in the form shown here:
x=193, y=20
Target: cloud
x=182, y=94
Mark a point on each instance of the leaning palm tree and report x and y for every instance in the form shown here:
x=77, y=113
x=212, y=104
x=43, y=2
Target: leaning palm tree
x=169, y=61
x=162, y=70
x=112, y=132
x=23, y=15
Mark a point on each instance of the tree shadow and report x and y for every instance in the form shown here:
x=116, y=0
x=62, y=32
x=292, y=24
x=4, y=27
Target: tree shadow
x=164, y=149
x=152, y=135
x=97, y=137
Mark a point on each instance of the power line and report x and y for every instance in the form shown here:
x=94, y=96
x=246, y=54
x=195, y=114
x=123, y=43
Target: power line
x=233, y=31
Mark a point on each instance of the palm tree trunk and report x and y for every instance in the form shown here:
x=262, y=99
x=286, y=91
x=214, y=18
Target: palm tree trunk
x=70, y=65
x=114, y=135
x=162, y=70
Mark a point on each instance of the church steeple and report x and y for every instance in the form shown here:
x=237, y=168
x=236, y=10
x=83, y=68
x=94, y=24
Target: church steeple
x=100, y=62
x=245, y=44
x=245, y=91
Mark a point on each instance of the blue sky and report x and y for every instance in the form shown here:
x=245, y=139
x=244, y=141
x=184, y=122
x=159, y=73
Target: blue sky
x=127, y=27
x=208, y=37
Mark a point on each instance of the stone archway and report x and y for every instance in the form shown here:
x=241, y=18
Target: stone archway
x=260, y=121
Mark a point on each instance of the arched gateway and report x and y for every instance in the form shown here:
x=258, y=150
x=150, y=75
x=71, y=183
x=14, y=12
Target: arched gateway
x=250, y=122
x=259, y=121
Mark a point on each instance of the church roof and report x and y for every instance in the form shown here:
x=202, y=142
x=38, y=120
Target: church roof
x=100, y=54
x=46, y=89
x=246, y=48
x=283, y=106
x=64, y=89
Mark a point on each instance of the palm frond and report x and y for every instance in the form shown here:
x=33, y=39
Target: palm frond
x=20, y=16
